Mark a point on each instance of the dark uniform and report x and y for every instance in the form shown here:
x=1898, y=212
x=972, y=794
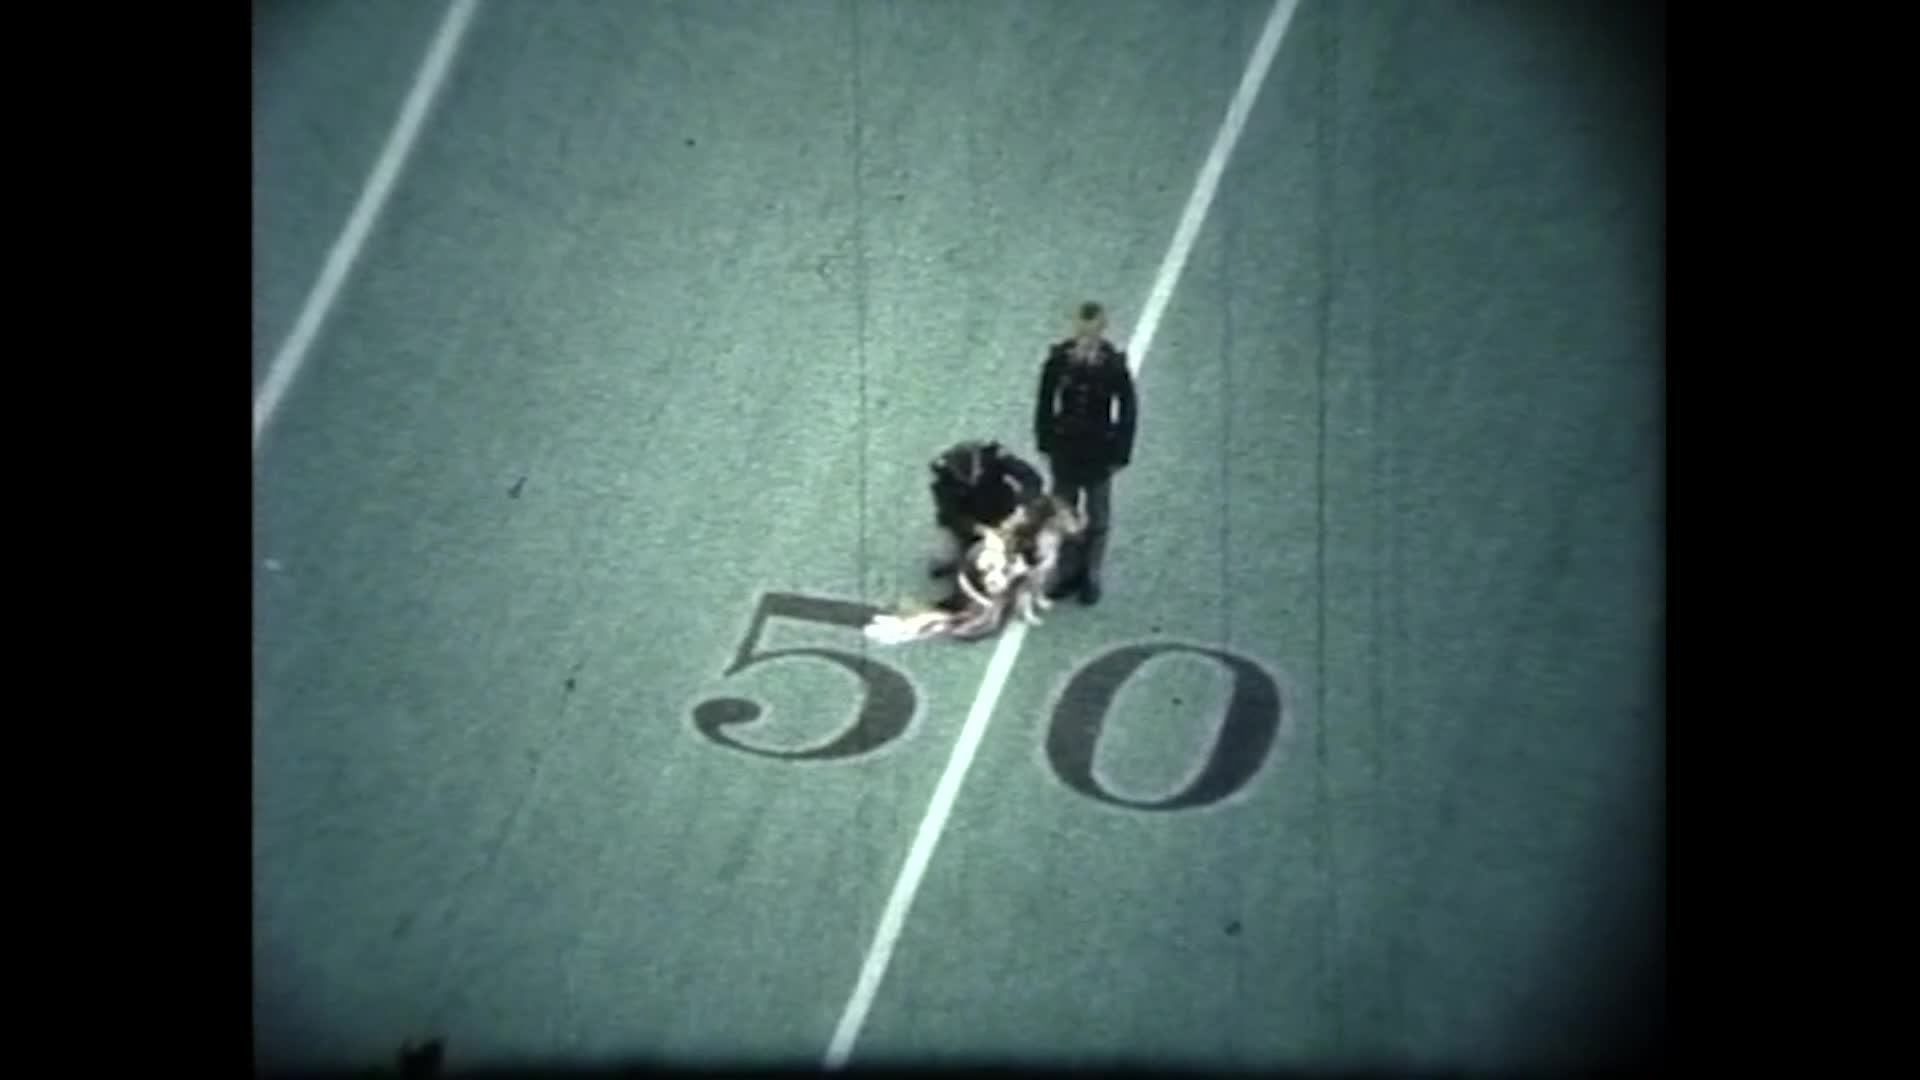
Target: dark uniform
x=978, y=483
x=1084, y=423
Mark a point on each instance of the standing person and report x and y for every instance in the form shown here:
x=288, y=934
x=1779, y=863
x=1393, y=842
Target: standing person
x=1083, y=423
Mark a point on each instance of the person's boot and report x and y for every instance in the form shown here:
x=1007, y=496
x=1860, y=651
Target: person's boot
x=1073, y=576
x=1089, y=583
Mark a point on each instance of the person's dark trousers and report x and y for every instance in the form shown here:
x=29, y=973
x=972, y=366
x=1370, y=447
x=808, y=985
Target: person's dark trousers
x=1089, y=489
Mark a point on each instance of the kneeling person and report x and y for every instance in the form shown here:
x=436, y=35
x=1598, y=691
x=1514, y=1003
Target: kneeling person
x=977, y=483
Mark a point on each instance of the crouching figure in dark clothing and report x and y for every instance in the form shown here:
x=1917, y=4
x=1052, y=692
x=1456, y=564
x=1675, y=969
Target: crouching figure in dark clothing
x=979, y=491
x=977, y=484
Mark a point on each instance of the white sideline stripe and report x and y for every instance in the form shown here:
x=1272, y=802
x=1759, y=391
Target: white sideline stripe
x=346, y=249
x=893, y=919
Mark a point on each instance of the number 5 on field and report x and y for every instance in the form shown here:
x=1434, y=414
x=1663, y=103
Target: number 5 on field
x=887, y=700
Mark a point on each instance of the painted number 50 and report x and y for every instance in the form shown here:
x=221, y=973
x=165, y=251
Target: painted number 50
x=887, y=703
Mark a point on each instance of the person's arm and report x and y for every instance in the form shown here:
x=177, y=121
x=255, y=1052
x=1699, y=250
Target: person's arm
x=1043, y=405
x=1026, y=476
x=1129, y=413
x=948, y=502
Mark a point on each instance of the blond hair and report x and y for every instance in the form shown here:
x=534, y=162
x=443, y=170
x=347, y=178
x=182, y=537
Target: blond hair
x=1089, y=326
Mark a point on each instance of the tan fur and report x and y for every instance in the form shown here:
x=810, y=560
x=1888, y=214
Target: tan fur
x=1009, y=582
x=1046, y=523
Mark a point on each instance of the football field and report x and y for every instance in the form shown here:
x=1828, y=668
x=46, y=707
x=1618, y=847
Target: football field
x=600, y=348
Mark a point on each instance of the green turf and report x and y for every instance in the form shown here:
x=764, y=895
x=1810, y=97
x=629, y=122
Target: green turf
x=328, y=80
x=668, y=312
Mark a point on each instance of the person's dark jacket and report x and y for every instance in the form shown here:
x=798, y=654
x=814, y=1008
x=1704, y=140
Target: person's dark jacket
x=1087, y=411
x=980, y=482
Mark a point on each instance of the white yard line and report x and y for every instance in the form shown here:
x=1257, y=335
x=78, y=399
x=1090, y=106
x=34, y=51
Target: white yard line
x=894, y=918
x=346, y=249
